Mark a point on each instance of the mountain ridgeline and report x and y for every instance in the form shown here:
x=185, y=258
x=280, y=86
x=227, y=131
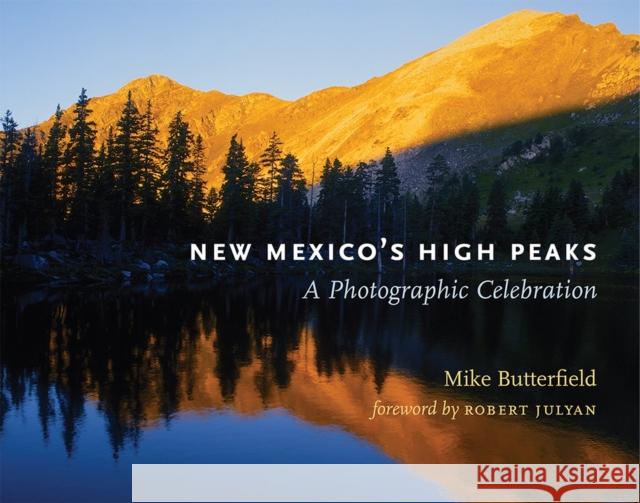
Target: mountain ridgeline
x=523, y=129
x=524, y=66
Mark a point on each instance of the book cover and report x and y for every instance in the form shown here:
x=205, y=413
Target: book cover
x=358, y=251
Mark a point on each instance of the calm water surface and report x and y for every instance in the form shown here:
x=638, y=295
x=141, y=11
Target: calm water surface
x=93, y=381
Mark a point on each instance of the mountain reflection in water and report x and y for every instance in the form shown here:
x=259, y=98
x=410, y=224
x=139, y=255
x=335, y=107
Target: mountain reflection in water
x=146, y=360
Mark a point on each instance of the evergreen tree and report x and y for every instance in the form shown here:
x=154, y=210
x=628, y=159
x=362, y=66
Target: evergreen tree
x=470, y=209
x=79, y=164
x=633, y=190
x=457, y=210
x=534, y=227
x=211, y=206
x=358, y=189
x=106, y=200
x=369, y=171
x=386, y=195
x=387, y=182
x=237, y=193
x=576, y=207
x=8, y=155
x=556, y=149
x=627, y=253
x=26, y=168
x=52, y=161
x=175, y=183
x=292, y=199
x=437, y=174
x=562, y=230
x=346, y=193
x=198, y=183
x=552, y=209
x=330, y=205
x=413, y=224
x=496, y=229
x=127, y=160
x=270, y=159
x=364, y=173
x=40, y=194
x=447, y=212
x=149, y=157
x=619, y=201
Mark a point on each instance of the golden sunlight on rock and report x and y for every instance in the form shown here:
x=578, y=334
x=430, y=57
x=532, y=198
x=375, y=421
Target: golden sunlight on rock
x=525, y=65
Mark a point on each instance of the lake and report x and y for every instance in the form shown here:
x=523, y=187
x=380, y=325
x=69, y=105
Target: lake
x=93, y=380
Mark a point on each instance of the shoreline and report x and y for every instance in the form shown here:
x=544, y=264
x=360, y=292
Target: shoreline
x=67, y=265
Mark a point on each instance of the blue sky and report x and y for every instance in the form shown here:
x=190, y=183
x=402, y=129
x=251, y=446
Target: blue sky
x=50, y=49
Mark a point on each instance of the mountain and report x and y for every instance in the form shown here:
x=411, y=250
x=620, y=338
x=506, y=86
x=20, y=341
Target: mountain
x=521, y=67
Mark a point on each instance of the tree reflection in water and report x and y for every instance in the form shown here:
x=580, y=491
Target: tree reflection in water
x=146, y=356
